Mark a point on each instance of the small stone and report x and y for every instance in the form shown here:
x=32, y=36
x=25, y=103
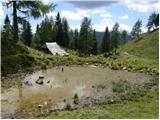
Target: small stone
x=45, y=103
x=39, y=81
x=124, y=68
x=40, y=106
x=41, y=77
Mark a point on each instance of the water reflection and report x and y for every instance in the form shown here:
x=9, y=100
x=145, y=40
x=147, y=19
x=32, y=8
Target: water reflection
x=31, y=99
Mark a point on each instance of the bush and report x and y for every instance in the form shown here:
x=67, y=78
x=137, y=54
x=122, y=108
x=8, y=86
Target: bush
x=76, y=99
x=121, y=86
x=68, y=106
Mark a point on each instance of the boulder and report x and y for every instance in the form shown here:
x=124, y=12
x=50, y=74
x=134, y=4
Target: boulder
x=39, y=81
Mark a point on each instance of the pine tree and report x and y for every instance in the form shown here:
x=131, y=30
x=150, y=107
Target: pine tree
x=124, y=35
x=71, y=39
x=136, y=30
x=36, y=41
x=106, y=41
x=26, y=33
x=85, y=42
x=157, y=21
x=46, y=30
x=151, y=21
x=59, y=31
x=94, y=50
x=7, y=33
x=66, y=39
x=115, y=36
x=76, y=39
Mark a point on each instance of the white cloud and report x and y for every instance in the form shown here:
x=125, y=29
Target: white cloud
x=103, y=24
x=1, y=11
x=109, y=23
x=124, y=17
x=51, y=14
x=102, y=13
x=77, y=14
x=73, y=27
x=34, y=29
x=125, y=27
x=142, y=5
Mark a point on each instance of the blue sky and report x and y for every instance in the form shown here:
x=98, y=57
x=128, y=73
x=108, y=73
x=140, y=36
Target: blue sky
x=102, y=13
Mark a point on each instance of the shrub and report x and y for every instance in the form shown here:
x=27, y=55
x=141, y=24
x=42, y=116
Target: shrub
x=121, y=86
x=76, y=99
x=68, y=106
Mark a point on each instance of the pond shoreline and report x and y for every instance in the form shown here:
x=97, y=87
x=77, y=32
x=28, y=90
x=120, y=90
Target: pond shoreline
x=100, y=90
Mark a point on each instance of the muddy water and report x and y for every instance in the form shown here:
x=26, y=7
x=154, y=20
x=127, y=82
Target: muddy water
x=28, y=99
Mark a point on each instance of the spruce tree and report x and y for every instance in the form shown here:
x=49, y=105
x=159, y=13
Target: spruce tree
x=66, y=39
x=26, y=33
x=94, y=50
x=76, y=39
x=46, y=30
x=7, y=32
x=157, y=21
x=71, y=39
x=106, y=41
x=124, y=35
x=151, y=21
x=85, y=41
x=36, y=41
x=59, y=31
x=136, y=30
x=115, y=36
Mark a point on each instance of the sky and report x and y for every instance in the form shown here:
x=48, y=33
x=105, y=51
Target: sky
x=102, y=13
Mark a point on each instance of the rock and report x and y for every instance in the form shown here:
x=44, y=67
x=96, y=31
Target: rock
x=124, y=68
x=41, y=77
x=40, y=106
x=141, y=71
x=39, y=81
x=45, y=103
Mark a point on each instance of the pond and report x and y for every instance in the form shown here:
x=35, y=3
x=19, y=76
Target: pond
x=28, y=99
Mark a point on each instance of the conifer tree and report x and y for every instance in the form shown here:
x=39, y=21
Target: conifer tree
x=136, y=30
x=59, y=31
x=106, y=41
x=35, y=9
x=85, y=41
x=94, y=50
x=76, y=39
x=26, y=33
x=66, y=39
x=115, y=36
x=7, y=32
x=124, y=35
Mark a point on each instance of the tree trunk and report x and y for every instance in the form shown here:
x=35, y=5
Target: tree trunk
x=15, y=23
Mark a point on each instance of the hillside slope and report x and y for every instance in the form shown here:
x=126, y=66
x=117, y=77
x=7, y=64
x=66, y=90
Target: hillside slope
x=146, y=46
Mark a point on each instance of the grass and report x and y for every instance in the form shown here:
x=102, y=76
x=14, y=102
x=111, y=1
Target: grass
x=146, y=46
x=140, y=109
x=136, y=102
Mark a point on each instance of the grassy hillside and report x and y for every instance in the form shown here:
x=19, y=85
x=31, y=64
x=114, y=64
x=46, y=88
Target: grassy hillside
x=146, y=46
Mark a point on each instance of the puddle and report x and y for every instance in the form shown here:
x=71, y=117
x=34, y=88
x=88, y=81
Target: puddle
x=28, y=99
